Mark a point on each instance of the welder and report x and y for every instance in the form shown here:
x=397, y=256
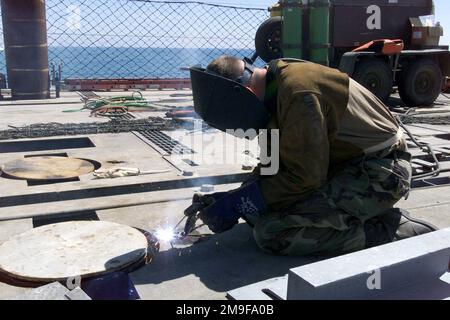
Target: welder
x=344, y=162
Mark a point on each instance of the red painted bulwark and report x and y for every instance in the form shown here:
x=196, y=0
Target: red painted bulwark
x=126, y=84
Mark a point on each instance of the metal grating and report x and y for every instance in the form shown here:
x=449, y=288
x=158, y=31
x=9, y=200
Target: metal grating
x=166, y=143
x=125, y=116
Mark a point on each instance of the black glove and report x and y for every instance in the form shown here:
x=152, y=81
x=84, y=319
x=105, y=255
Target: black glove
x=221, y=211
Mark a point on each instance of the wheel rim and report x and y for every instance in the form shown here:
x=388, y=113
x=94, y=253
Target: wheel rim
x=372, y=82
x=273, y=42
x=424, y=83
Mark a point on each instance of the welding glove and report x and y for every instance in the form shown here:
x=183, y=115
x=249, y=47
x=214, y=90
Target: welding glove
x=221, y=211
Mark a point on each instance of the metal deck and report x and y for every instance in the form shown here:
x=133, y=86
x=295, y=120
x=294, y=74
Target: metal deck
x=205, y=270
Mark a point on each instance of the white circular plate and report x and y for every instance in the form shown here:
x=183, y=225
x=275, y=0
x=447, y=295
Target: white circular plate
x=77, y=248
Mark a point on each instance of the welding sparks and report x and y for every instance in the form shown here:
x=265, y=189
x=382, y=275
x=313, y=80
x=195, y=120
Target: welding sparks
x=165, y=234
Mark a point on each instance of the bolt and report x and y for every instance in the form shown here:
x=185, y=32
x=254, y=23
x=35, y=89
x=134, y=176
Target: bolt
x=207, y=188
x=187, y=173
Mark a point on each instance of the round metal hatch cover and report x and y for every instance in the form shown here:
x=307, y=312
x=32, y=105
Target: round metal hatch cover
x=61, y=251
x=47, y=168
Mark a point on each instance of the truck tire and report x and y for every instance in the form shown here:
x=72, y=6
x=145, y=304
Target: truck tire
x=421, y=83
x=268, y=39
x=376, y=76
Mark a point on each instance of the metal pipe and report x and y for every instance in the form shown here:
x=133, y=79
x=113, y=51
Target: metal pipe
x=292, y=12
x=26, y=51
x=319, y=31
x=426, y=148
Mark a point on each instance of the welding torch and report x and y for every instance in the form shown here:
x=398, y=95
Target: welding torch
x=221, y=211
x=194, y=211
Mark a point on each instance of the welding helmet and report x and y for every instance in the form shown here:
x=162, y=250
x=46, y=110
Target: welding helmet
x=227, y=104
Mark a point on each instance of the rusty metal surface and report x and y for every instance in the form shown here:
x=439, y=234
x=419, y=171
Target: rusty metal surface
x=126, y=84
x=47, y=168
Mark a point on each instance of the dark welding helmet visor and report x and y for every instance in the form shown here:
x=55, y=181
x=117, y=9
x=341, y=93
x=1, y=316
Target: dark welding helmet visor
x=226, y=104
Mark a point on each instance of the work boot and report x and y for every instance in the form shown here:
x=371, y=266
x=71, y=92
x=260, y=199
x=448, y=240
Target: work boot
x=410, y=226
x=394, y=225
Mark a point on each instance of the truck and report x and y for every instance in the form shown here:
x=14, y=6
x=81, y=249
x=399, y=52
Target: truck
x=382, y=44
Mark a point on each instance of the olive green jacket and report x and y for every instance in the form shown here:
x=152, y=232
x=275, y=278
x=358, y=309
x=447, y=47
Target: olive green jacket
x=324, y=119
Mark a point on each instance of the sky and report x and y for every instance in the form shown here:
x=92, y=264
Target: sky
x=115, y=19
x=443, y=15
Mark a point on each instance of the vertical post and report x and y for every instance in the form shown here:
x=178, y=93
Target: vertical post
x=26, y=52
x=319, y=31
x=292, y=12
x=58, y=81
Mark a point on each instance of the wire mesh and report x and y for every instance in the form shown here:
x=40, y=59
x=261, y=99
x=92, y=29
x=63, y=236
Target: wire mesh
x=144, y=39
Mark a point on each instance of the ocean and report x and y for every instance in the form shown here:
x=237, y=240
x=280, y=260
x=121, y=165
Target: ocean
x=114, y=62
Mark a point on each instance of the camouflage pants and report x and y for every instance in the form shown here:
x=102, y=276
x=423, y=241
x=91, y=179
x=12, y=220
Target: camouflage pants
x=331, y=219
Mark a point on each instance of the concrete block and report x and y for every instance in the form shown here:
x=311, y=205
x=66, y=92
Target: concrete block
x=77, y=294
x=277, y=289
x=434, y=289
x=375, y=272
x=259, y=290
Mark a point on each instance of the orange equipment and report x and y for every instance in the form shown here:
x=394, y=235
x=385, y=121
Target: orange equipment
x=383, y=46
